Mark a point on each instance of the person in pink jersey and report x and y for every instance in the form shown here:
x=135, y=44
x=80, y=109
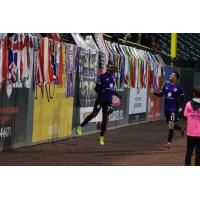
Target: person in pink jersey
x=192, y=113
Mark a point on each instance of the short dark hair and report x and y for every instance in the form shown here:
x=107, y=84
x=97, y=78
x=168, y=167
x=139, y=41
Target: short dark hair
x=196, y=91
x=176, y=74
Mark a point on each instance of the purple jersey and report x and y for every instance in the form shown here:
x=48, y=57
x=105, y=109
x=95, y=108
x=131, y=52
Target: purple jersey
x=105, y=87
x=174, y=97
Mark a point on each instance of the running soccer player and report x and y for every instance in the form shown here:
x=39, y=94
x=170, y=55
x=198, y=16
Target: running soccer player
x=174, y=99
x=105, y=91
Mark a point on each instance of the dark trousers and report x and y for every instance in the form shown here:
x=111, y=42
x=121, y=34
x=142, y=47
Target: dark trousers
x=192, y=142
x=172, y=116
x=106, y=110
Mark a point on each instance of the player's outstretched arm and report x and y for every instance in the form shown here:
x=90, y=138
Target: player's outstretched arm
x=158, y=94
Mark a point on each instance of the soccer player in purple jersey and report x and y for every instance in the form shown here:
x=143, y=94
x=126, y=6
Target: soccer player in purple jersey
x=174, y=99
x=105, y=90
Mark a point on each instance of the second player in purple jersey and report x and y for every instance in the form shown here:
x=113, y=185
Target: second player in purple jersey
x=174, y=96
x=174, y=100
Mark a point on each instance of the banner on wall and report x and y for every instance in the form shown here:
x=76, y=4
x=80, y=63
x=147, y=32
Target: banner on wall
x=52, y=116
x=154, y=106
x=119, y=113
x=88, y=73
x=13, y=117
x=8, y=110
x=137, y=105
x=116, y=115
x=84, y=112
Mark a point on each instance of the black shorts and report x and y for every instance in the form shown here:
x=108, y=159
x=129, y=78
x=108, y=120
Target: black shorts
x=106, y=107
x=171, y=116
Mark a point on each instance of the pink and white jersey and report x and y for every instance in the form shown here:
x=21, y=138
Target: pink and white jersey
x=193, y=120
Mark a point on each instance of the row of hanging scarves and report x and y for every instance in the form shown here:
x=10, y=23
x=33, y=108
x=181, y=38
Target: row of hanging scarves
x=48, y=62
x=103, y=51
x=122, y=61
x=16, y=61
x=135, y=68
x=114, y=59
x=21, y=55
x=52, y=58
x=145, y=70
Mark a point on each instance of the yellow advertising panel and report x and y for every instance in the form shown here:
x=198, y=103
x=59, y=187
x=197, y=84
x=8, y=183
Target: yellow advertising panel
x=52, y=113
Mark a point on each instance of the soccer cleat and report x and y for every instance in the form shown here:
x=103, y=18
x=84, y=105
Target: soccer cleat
x=183, y=131
x=101, y=140
x=79, y=130
x=166, y=145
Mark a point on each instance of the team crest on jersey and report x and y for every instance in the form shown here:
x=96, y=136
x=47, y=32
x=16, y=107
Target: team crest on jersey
x=169, y=94
x=111, y=85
